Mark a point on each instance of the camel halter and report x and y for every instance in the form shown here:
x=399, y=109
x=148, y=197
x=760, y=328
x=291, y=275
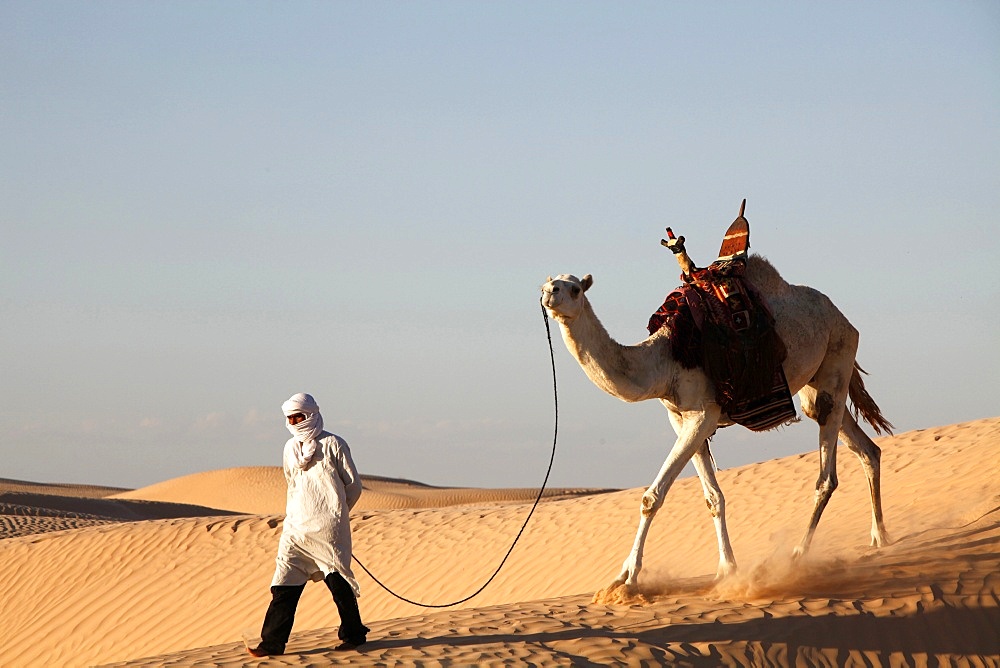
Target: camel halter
x=552, y=457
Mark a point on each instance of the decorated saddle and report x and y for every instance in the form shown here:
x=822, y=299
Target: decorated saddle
x=720, y=323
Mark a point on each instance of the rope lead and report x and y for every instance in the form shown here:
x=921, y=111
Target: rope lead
x=552, y=457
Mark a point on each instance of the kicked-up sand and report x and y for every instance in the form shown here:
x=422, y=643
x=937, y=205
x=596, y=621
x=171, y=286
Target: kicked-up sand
x=173, y=574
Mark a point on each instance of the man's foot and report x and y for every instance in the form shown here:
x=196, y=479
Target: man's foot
x=259, y=650
x=348, y=643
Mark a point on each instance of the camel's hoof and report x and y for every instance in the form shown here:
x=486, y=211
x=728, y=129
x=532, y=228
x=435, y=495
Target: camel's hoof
x=881, y=541
x=620, y=593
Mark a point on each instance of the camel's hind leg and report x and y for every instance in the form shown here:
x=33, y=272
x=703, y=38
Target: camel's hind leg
x=824, y=400
x=825, y=485
x=870, y=455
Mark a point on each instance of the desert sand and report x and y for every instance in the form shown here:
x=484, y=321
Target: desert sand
x=173, y=574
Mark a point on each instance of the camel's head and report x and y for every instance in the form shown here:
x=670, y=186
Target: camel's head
x=562, y=296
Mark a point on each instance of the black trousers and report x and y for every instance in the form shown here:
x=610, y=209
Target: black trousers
x=280, y=614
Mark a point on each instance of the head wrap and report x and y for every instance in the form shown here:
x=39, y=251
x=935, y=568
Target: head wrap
x=305, y=432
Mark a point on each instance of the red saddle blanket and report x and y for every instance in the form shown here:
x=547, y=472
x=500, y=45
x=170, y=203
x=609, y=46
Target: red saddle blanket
x=718, y=322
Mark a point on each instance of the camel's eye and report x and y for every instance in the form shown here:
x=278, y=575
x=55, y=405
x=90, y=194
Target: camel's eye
x=575, y=290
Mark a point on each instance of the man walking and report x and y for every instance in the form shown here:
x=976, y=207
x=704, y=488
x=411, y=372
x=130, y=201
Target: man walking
x=323, y=486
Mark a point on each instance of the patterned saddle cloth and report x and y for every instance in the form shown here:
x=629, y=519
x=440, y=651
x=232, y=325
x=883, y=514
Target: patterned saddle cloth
x=721, y=324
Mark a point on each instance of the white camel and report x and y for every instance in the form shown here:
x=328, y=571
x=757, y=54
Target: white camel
x=820, y=366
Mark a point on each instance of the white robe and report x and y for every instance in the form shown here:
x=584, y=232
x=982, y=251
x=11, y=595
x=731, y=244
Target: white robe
x=316, y=536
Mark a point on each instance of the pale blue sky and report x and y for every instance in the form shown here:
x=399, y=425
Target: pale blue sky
x=209, y=206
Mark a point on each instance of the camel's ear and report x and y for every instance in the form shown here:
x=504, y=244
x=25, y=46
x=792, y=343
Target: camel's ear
x=587, y=281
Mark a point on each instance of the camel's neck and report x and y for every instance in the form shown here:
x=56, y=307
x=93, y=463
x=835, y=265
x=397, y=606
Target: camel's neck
x=631, y=373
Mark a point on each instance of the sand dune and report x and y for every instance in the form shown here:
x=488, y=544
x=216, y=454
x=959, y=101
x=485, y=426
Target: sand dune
x=181, y=588
x=58, y=489
x=260, y=490
x=26, y=512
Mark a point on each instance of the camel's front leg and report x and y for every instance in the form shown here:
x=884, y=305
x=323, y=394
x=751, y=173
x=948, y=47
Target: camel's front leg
x=716, y=501
x=693, y=429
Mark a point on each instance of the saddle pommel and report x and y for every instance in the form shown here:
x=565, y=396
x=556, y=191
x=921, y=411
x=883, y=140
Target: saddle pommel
x=736, y=243
x=676, y=246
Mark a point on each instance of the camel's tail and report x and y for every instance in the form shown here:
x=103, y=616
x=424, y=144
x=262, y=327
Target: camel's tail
x=865, y=405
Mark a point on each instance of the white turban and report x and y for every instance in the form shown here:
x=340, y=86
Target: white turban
x=307, y=431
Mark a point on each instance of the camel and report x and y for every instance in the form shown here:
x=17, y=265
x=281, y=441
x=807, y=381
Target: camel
x=820, y=367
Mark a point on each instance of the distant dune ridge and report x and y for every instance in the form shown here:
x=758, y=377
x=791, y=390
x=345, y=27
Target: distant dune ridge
x=172, y=574
x=261, y=490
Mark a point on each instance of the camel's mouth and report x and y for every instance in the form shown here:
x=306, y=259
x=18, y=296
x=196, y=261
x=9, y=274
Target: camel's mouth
x=551, y=297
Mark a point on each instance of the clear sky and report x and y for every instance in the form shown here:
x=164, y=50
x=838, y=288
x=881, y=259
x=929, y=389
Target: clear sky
x=209, y=206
